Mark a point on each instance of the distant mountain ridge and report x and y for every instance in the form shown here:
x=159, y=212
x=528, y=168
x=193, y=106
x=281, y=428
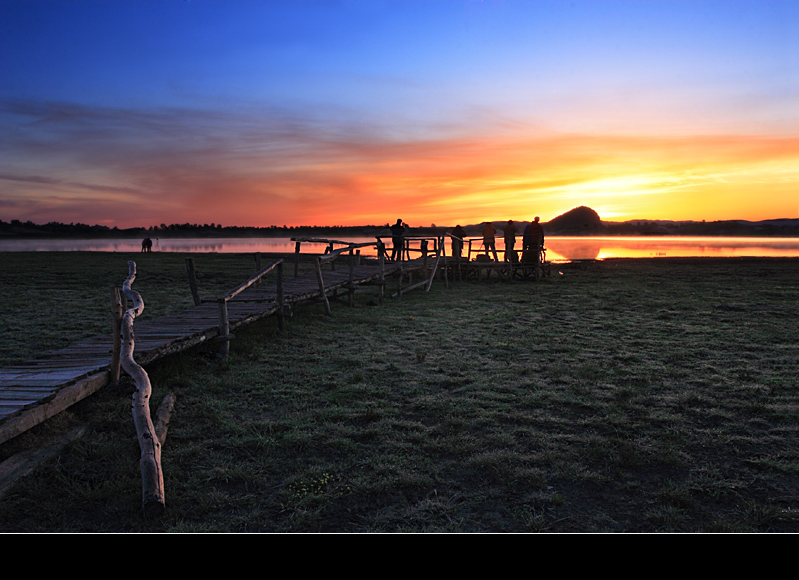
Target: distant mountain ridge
x=585, y=221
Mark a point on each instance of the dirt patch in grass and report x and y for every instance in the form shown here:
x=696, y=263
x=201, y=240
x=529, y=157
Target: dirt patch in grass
x=629, y=396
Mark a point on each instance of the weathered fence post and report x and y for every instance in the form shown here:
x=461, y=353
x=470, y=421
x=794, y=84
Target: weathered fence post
x=224, y=328
x=117, y=312
x=281, y=323
x=351, y=282
x=382, y=261
x=193, y=281
x=150, y=461
x=321, y=281
x=538, y=261
x=441, y=258
x=399, y=281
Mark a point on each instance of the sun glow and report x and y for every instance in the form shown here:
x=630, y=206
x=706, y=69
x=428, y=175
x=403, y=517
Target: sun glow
x=621, y=179
x=446, y=181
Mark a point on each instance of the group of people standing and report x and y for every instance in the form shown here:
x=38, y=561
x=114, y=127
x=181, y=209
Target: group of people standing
x=532, y=239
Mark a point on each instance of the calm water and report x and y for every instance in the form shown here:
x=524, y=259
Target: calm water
x=558, y=248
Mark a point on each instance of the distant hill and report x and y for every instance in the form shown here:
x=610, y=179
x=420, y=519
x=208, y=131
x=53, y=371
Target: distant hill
x=578, y=221
x=584, y=221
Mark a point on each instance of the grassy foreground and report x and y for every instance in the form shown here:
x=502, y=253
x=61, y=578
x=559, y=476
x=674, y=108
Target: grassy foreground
x=632, y=396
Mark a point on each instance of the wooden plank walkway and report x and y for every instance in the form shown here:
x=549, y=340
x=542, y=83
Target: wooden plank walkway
x=36, y=390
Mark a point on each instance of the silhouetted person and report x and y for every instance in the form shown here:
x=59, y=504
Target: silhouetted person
x=457, y=241
x=533, y=236
x=397, y=239
x=510, y=240
x=489, y=231
x=146, y=245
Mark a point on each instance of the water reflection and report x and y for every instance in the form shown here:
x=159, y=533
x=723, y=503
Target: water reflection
x=558, y=248
x=673, y=247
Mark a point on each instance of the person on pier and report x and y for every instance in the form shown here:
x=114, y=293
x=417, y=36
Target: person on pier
x=533, y=236
x=532, y=242
x=398, y=240
x=457, y=240
x=510, y=241
x=489, y=242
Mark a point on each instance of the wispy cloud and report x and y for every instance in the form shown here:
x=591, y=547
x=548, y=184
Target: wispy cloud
x=262, y=166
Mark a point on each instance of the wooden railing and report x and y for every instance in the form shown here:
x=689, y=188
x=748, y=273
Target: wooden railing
x=353, y=254
x=439, y=255
x=222, y=301
x=329, y=243
x=537, y=264
x=423, y=245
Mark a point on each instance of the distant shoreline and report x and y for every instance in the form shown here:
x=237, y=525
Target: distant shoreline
x=411, y=232
x=776, y=228
x=471, y=231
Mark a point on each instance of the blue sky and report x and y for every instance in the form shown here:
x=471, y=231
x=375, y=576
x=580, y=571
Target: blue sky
x=257, y=113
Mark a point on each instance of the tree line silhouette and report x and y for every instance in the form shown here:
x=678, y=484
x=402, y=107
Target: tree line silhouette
x=571, y=223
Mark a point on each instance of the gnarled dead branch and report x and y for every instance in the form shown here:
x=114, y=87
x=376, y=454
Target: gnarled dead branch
x=150, y=462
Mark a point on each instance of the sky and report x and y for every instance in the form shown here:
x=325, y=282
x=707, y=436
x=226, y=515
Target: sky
x=136, y=113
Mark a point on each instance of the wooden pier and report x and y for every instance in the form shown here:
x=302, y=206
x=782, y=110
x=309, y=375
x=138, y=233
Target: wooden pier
x=33, y=391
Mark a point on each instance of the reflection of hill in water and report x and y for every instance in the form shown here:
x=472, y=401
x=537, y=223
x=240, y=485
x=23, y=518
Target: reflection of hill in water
x=573, y=249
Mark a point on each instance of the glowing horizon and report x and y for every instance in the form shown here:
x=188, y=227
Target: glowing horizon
x=315, y=113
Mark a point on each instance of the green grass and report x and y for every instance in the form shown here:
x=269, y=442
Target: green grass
x=631, y=396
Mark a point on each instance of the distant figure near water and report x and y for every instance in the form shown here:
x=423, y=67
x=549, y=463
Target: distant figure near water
x=146, y=245
x=397, y=239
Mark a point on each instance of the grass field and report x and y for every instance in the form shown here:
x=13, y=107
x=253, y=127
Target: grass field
x=651, y=395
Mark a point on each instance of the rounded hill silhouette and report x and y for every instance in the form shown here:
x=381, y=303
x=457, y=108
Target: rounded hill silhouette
x=580, y=220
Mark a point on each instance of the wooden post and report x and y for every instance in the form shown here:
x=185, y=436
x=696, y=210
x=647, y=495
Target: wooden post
x=445, y=269
x=382, y=261
x=224, y=328
x=538, y=262
x=296, y=258
x=439, y=255
x=281, y=323
x=332, y=262
x=117, y=312
x=319, y=279
x=351, y=285
x=399, y=281
x=150, y=461
x=193, y=281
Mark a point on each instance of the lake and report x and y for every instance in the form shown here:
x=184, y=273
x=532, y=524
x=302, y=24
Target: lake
x=558, y=248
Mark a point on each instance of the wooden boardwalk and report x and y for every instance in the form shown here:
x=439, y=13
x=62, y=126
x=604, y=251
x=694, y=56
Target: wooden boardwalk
x=36, y=390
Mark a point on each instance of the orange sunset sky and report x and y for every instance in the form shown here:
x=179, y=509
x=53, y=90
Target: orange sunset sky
x=137, y=113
